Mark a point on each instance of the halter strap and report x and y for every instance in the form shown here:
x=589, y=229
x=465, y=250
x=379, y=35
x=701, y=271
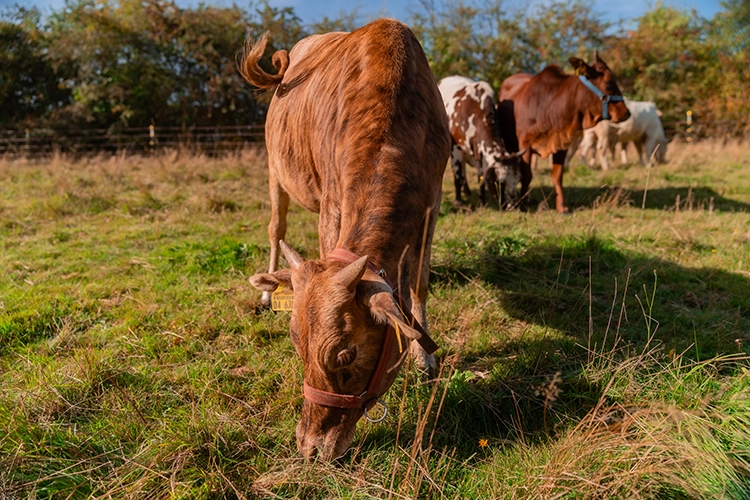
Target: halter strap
x=605, y=98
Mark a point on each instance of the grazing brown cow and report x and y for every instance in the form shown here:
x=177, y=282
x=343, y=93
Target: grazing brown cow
x=476, y=139
x=356, y=131
x=543, y=113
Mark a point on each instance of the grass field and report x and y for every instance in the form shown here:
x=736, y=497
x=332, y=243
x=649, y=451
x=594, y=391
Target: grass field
x=600, y=355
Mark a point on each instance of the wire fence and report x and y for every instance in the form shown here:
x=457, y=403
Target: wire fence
x=691, y=130
x=41, y=142
x=218, y=140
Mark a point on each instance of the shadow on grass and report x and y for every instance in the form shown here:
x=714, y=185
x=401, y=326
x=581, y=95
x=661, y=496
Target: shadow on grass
x=508, y=393
x=548, y=285
x=689, y=198
x=695, y=198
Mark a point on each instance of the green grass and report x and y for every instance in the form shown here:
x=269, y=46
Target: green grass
x=600, y=355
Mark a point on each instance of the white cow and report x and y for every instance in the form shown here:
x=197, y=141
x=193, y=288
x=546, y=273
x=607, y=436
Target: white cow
x=643, y=129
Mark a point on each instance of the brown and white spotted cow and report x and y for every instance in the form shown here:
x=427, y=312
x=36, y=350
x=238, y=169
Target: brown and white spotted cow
x=476, y=140
x=356, y=131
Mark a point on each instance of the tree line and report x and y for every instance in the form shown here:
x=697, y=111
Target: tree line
x=132, y=63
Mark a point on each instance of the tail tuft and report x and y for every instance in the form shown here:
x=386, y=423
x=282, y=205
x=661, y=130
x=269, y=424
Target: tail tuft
x=250, y=69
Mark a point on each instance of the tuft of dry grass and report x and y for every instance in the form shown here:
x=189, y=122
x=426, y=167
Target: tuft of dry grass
x=644, y=447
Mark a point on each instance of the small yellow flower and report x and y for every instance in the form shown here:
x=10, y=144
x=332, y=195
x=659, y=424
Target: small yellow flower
x=483, y=443
x=713, y=250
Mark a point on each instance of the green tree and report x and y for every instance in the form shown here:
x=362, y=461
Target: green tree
x=490, y=42
x=30, y=88
x=150, y=61
x=729, y=37
x=451, y=38
x=666, y=59
x=556, y=31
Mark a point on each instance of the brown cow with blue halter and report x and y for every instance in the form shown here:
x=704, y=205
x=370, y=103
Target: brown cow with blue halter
x=543, y=113
x=356, y=131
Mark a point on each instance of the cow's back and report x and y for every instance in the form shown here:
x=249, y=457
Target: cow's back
x=350, y=103
x=538, y=104
x=644, y=120
x=513, y=86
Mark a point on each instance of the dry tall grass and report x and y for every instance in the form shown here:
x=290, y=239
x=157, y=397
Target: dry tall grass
x=159, y=378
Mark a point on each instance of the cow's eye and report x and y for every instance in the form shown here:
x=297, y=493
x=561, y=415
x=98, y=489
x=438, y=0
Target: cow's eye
x=346, y=357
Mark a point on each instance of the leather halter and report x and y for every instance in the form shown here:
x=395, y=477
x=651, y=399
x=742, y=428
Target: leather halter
x=370, y=396
x=606, y=99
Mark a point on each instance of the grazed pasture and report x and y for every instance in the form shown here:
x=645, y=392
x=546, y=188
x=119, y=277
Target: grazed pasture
x=600, y=355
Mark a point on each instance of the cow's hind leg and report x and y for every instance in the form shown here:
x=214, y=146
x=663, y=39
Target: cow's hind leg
x=558, y=160
x=277, y=226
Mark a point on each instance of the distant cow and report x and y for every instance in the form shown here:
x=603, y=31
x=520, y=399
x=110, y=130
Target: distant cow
x=643, y=129
x=476, y=139
x=593, y=143
x=356, y=131
x=543, y=113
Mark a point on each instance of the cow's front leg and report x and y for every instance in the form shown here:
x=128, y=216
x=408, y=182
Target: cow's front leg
x=482, y=179
x=277, y=226
x=418, y=294
x=624, y=153
x=639, y=148
x=491, y=181
x=601, y=150
x=650, y=147
x=558, y=160
x=459, y=177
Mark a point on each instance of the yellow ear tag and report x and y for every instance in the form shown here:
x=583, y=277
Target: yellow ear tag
x=282, y=299
x=580, y=70
x=398, y=337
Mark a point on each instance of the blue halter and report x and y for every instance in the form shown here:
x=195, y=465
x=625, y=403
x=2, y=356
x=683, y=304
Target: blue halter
x=606, y=99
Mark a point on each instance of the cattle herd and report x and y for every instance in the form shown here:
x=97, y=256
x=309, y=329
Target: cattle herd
x=359, y=132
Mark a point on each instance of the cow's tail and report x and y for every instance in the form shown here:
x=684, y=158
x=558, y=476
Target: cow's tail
x=251, y=70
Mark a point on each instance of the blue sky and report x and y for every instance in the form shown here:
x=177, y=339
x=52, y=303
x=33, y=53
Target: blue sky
x=314, y=10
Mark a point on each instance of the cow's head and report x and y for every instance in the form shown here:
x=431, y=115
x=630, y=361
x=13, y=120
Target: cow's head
x=660, y=154
x=604, y=87
x=503, y=168
x=340, y=318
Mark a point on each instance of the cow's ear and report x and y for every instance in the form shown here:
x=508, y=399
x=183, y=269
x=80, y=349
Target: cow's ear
x=384, y=309
x=269, y=282
x=579, y=65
